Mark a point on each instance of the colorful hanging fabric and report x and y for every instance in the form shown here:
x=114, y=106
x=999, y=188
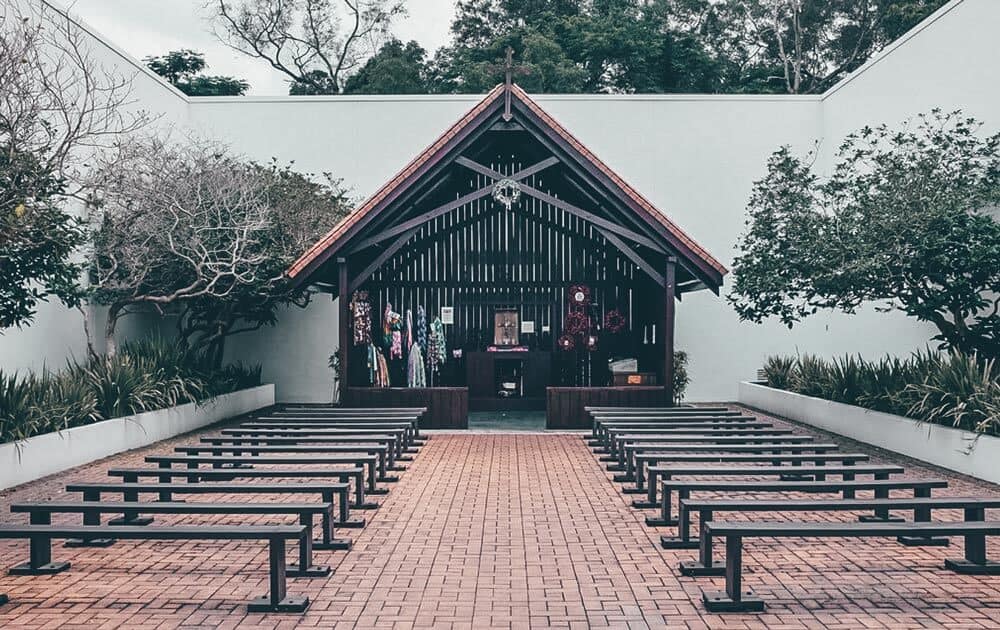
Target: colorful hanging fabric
x=408, y=338
x=378, y=369
x=416, y=374
x=361, y=316
x=383, y=371
x=392, y=328
x=436, y=351
x=422, y=329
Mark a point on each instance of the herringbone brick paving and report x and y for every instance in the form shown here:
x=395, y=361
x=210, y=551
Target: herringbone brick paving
x=495, y=530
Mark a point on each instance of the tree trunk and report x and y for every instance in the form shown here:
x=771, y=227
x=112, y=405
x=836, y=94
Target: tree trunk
x=110, y=344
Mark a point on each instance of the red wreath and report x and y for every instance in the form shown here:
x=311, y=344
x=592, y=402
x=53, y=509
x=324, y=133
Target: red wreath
x=579, y=295
x=576, y=323
x=614, y=321
x=566, y=343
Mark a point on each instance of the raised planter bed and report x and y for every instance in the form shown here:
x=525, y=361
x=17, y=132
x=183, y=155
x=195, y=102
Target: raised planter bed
x=49, y=453
x=968, y=453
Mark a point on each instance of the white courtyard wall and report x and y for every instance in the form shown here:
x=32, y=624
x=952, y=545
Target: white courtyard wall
x=696, y=157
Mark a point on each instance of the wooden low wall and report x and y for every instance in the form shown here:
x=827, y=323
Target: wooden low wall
x=564, y=405
x=447, y=407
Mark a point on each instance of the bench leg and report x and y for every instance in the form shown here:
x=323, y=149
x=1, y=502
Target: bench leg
x=344, y=501
x=359, y=493
x=666, y=518
x=975, y=561
x=734, y=599
x=131, y=517
x=923, y=515
x=650, y=501
x=39, y=558
x=90, y=518
x=305, y=566
x=278, y=600
x=703, y=566
x=327, y=540
x=683, y=539
x=881, y=515
x=374, y=476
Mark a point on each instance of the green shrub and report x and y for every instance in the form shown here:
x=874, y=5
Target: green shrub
x=953, y=389
x=144, y=376
x=809, y=377
x=778, y=371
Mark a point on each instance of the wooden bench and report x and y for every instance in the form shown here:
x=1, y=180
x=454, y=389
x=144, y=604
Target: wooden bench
x=382, y=451
x=734, y=599
x=640, y=454
x=167, y=475
x=366, y=462
x=604, y=429
x=669, y=441
x=408, y=428
x=880, y=487
x=393, y=442
x=921, y=505
x=41, y=514
x=618, y=437
x=130, y=492
x=795, y=472
x=277, y=600
x=310, y=435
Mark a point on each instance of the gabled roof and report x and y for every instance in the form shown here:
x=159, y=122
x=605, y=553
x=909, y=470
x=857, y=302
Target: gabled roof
x=440, y=148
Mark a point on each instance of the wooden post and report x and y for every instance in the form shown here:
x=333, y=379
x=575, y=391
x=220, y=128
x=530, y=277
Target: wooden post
x=344, y=327
x=669, y=308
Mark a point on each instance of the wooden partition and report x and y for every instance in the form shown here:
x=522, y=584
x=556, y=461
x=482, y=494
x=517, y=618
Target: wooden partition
x=447, y=407
x=564, y=405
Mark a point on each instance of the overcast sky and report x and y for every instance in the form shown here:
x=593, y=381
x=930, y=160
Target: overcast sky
x=152, y=27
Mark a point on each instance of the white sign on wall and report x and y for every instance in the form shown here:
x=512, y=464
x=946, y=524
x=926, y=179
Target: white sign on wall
x=447, y=314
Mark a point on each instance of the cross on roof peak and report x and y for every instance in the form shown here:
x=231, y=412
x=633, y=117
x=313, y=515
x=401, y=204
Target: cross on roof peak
x=510, y=70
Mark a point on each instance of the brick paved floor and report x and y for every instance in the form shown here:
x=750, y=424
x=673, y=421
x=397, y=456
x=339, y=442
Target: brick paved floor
x=496, y=530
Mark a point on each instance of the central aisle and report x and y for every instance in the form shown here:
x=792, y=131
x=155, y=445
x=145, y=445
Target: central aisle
x=502, y=530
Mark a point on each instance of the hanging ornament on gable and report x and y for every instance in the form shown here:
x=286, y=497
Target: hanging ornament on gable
x=506, y=192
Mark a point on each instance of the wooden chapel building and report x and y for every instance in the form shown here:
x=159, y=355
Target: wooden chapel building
x=542, y=265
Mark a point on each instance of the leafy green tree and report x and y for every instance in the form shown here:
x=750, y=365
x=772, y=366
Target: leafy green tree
x=397, y=68
x=183, y=69
x=793, y=46
x=903, y=220
x=37, y=238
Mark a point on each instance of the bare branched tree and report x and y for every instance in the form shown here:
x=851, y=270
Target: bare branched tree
x=316, y=43
x=182, y=222
x=56, y=100
x=58, y=108
x=190, y=228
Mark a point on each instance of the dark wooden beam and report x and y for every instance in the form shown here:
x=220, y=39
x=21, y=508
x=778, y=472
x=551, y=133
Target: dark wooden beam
x=389, y=251
x=632, y=255
x=419, y=220
x=559, y=203
x=343, y=325
x=452, y=205
x=669, y=313
x=591, y=217
x=518, y=176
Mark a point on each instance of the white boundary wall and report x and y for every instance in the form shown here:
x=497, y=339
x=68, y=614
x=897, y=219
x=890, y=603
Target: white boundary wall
x=49, y=453
x=695, y=156
x=954, y=449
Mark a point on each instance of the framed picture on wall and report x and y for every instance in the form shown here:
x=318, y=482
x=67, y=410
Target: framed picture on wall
x=505, y=327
